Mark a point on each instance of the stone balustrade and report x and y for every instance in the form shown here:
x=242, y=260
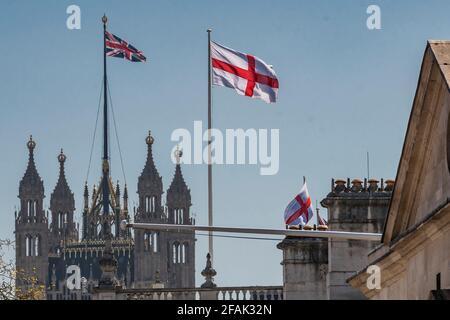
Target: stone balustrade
x=217, y=293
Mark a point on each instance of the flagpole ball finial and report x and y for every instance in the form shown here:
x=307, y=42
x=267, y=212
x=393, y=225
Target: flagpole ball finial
x=209, y=30
x=104, y=19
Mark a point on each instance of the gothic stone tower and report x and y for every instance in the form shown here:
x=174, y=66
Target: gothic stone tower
x=62, y=207
x=181, y=244
x=355, y=208
x=150, y=246
x=160, y=256
x=31, y=226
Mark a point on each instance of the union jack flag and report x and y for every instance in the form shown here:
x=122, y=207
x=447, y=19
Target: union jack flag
x=116, y=47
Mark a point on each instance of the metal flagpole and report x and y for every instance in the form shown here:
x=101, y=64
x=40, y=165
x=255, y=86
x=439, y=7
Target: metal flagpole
x=108, y=264
x=105, y=166
x=288, y=233
x=210, y=201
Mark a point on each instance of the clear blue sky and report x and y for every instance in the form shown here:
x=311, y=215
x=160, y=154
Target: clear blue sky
x=344, y=90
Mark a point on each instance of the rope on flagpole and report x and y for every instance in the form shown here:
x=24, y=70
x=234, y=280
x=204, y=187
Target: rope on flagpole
x=95, y=134
x=116, y=133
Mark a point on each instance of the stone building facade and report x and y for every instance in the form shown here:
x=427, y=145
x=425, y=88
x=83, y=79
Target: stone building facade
x=318, y=268
x=414, y=254
x=46, y=245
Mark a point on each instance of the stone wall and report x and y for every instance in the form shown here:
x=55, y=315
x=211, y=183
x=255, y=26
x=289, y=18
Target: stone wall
x=359, y=206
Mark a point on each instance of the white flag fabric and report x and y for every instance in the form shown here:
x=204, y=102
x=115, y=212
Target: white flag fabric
x=246, y=74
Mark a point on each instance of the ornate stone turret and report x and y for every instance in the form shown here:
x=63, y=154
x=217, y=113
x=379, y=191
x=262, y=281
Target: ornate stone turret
x=182, y=271
x=86, y=196
x=150, y=187
x=62, y=206
x=31, y=231
x=179, y=196
x=151, y=247
x=31, y=190
x=125, y=199
x=118, y=194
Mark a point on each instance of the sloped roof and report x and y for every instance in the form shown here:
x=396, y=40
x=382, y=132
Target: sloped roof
x=434, y=81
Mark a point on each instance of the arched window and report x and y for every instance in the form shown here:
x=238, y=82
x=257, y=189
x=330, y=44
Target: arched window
x=176, y=252
x=181, y=216
x=153, y=204
x=29, y=208
x=178, y=216
x=113, y=229
x=28, y=245
x=147, y=241
x=147, y=204
x=60, y=220
x=154, y=243
x=185, y=252
x=32, y=208
x=37, y=244
x=99, y=229
x=150, y=204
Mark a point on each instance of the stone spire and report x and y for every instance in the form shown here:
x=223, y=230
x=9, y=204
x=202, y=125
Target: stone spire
x=31, y=228
x=31, y=190
x=86, y=196
x=31, y=183
x=62, y=205
x=62, y=196
x=118, y=194
x=178, y=194
x=150, y=175
x=125, y=198
x=150, y=187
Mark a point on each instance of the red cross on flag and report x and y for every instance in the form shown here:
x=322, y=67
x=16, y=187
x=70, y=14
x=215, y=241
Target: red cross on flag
x=246, y=74
x=300, y=210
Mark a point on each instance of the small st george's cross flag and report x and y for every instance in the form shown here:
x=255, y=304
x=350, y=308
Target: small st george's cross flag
x=116, y=47
x=246, y=74
x=299, y=211
x=321, y=221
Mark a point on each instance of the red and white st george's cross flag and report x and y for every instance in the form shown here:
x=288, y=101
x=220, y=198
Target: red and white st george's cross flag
x=246, y=74
x=300, y=210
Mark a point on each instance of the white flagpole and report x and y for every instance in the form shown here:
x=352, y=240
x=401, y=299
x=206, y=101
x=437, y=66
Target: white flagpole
x=210, y=200
x=366, y=236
